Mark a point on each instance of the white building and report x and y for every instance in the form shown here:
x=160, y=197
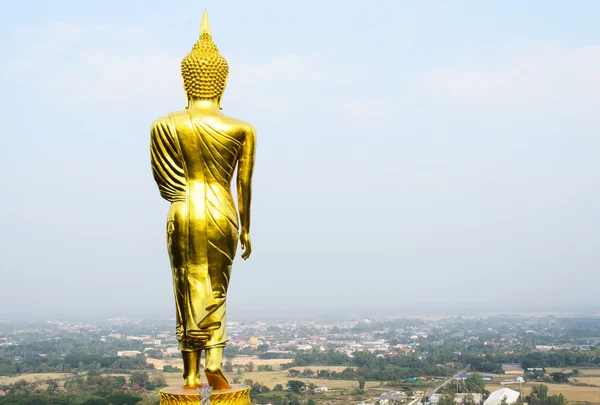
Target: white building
x=459, y=398
x=128, y=353
x=172, y=350
x=496, y=397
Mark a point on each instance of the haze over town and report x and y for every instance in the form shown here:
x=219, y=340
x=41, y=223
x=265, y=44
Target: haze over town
x=412, y=158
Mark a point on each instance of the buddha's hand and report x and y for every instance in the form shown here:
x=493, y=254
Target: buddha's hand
x=246, y=245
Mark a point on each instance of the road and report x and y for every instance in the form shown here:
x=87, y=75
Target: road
x=436, y=389
x=449, y=380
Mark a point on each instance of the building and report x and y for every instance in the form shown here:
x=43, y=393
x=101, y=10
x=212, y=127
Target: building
x=128, y=353
x=172, y=350
x=460, y=398
x=392, y=398
x=496, y=397
x=477, y=398
x=513, y=369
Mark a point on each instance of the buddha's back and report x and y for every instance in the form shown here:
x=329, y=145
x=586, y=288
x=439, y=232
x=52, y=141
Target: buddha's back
x=194, y=154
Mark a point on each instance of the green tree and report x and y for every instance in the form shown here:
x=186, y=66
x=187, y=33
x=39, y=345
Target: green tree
x=278, y=387
x=140, y=378
x=538, y=394
x=311, y=402
x=361, y=383
x=296, y=386
x=264, y=367
x=228, y=367
x=155, y=354
x=307, y=372
x=447, y=399
x=475, y=383
x=559, y=377
x=469, y=399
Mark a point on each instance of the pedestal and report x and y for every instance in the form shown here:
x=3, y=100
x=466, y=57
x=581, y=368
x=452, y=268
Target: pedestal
x=238, y=395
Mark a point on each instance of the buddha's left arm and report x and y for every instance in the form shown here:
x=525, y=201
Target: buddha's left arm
x=244, y=187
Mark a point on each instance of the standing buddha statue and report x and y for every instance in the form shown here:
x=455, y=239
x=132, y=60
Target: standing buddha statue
x=194, y=155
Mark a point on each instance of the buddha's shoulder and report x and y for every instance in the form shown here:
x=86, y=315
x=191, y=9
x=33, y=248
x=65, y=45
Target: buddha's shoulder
x=218, y=121
x=236, y=123
x=166, y=121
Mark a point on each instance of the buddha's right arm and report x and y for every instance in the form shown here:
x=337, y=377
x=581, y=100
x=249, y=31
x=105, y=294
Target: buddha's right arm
x=166, y=168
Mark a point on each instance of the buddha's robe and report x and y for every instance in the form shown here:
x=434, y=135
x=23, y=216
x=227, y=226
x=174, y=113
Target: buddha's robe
x=193, y=165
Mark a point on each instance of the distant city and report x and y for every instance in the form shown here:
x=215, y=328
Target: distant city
x=428, y=360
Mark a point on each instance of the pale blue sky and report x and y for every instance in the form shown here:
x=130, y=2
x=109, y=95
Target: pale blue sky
x=414, y=155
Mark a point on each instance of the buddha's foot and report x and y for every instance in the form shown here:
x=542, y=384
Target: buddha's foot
x=191, y=382
x=216, y=379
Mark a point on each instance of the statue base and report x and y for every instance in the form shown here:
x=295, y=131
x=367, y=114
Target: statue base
x=238, y=394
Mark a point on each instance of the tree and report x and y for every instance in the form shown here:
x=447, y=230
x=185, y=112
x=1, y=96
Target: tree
x=149, y=400
x=296, y=386
x=155, y=354
x=469, y=399
x=361, y=383
x=447, y=399
x=158, y=381
x=264, y=367
x=278, y=387
x=228, y=367
x=538, y=394
x=140, y=378
x=475, y=383
x=311, y=402
x=559, y=377
x=250, y=367
x=307, y=372
x=263, y=347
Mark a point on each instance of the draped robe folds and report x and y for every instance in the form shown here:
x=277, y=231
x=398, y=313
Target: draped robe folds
x=193, y=164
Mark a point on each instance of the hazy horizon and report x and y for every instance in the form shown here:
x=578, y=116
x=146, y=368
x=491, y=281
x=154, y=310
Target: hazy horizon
x=411, y=157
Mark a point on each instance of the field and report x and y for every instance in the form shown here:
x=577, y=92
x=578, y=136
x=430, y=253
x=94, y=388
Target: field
x=272, y=378
x=243, y=360
x=34, y=377
x=573, y=393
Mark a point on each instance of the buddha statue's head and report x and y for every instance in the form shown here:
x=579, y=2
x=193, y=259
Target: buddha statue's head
x=204, y=70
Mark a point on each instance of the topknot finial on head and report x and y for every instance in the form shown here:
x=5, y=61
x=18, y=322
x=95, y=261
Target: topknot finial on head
x=204, y=69
x=205, y=25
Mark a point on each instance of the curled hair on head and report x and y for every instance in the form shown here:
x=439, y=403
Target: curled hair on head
x=204, y=70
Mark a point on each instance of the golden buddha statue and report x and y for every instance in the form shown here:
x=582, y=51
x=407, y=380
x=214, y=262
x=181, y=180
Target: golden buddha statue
x=194, y=155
